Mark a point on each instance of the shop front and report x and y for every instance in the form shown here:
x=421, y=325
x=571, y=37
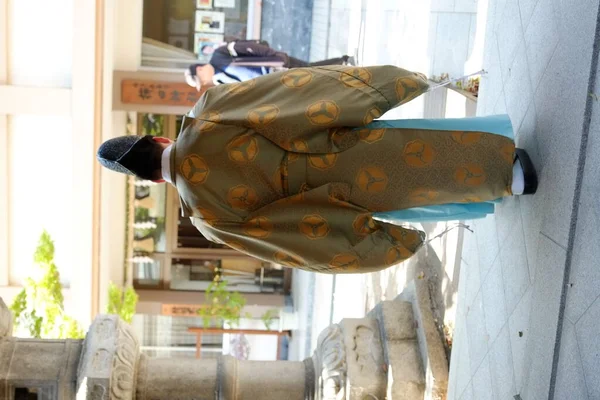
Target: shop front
x=175, y=31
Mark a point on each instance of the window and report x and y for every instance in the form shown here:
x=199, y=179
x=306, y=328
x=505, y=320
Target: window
x=175, y=30
x=41, y=187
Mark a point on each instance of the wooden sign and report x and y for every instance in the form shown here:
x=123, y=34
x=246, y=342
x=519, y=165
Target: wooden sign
x=180, y=310
x=137, y=91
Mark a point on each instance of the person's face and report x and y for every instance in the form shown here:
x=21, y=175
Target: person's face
x=164, y=143
x=208, y=50
x=205, y=74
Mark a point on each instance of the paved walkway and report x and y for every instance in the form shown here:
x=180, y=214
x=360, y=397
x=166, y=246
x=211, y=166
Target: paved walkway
x=512, y=335
x=525, y=285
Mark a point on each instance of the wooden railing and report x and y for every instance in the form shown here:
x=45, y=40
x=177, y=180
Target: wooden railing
x=199, y=331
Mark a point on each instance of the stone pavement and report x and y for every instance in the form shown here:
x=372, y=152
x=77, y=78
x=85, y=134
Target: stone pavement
x=414, y=35
x=526, y=295
x=529, y=310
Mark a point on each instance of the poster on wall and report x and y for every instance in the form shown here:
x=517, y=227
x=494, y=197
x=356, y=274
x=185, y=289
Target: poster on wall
x=210, y=21
x=206, y=39
x=204, y=4
x=179, y=26
x=225, y=3
x=181, y=42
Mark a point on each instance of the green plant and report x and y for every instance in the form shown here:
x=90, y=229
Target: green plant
x=153, y=124
x=122, y=302
x=268, y=318
x=223, y=306
x=39, y=307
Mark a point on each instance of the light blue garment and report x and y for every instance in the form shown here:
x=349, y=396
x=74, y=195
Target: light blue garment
x=496, y=124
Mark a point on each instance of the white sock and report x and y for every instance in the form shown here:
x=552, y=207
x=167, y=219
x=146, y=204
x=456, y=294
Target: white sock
x=518, y=184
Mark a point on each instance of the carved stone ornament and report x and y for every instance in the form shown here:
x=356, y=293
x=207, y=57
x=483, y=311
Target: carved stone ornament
x=109, y=360
x=330, y=364
x=6, y=320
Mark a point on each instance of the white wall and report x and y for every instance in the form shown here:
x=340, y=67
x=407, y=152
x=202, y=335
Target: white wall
x=112, y=187
x=128, y=25
x=122, y=51
x=47, y=116
x=41, y=43
x=262, y=347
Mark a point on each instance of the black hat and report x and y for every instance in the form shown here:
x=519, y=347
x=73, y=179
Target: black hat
x=131, y=155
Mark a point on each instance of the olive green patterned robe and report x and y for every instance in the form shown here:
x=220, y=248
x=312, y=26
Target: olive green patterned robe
x=282, y=168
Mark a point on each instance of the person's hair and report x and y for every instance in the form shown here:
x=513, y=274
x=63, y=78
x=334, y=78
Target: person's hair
x=147, y=162
x=156, y=159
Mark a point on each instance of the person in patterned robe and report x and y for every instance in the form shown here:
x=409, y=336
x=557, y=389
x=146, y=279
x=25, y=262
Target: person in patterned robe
x=289, y=167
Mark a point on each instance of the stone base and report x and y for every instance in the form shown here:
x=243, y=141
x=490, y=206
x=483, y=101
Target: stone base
x=413, y=349
x=395, y=353
x=431, y=346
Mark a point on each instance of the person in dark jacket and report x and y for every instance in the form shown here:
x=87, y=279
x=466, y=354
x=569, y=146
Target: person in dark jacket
x=242, y=60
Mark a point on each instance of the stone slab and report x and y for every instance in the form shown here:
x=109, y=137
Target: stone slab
x=430, y=343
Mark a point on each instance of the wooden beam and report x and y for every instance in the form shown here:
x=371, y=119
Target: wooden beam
x=148, y=92
x=4, y=153
x=5, y=247
x=84, y=139
x=198, y=330
x=4, y=28
x=97, y=140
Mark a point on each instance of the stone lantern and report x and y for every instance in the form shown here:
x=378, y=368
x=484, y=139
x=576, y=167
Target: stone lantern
x=395, y=353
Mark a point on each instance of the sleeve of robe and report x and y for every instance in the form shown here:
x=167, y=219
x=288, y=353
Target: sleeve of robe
x=252, y=49
x=311, y=110
x=316, y=230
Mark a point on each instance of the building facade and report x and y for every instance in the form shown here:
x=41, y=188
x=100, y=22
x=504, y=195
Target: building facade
x=72, y=75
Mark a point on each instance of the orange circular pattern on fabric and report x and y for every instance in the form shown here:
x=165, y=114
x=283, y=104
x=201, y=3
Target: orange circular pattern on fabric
x=322, y=113
x=335, y=197
x=337, y=135
x=263, y=115
x=344, y=262
x=472, y=199
x=470, y=175
x=259, y=227
x=295, y=199
x=242, y=197
x=396, y=255
x=280, y=177
x=466, y=138
x=241, y=87
x=243, y=149
x=314, y=227
x=356, y=77
x=207, y=216
x=407, y=237
x=304, y=188
x=323, y=161
x=372, y=180
x=418, y=154
x=194, y=169
x=508, y=152
x=423, y=196
x=298, y=78
x=237, y=246
x=295, y=147
x=364, y=225
x=372, y=114
x=371, y=136
x=406, y=88
x=288, y=259
x=397, y=233
x=208, y=120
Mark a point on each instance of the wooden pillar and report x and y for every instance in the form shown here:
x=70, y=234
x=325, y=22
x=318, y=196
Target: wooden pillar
x=199, y=331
